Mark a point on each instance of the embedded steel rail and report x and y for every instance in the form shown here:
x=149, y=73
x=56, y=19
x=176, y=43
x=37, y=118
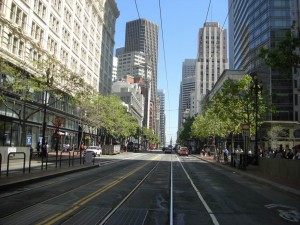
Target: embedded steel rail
x=112, y=211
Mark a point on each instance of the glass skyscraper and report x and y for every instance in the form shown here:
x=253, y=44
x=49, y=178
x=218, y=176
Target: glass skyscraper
x=256, y=24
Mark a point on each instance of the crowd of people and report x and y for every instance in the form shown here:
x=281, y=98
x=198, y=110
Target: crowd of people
x=280, y=152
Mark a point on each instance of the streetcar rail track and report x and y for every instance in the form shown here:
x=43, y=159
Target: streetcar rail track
x=109, y=215
x=77, y=207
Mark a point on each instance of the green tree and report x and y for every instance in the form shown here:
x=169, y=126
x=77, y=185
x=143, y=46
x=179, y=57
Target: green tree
x=233, y=105
x=274, y=133
x=209, y=126
x=28, y=86
x=185, y=131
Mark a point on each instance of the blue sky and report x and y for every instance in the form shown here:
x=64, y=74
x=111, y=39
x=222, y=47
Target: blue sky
x=181, y=21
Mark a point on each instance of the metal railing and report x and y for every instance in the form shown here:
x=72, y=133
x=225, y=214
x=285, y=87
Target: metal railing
x=58, y=159
x=9, y=159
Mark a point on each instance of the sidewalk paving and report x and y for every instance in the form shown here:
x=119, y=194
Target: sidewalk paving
x=253, y=172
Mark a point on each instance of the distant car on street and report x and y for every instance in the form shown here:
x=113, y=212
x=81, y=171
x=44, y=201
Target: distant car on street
x=183, y=151
x=96, y=150
x=168, y=150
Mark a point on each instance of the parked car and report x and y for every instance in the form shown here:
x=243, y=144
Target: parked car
x=96, y=150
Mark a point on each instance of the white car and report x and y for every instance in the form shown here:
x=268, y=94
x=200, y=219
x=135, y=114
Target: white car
x=96, y=150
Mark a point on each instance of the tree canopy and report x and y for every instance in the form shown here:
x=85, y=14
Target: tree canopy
x=233, y=105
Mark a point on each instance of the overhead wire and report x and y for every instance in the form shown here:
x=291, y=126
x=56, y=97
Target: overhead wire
x=162, y=31
x=137, y=9
x=164, y=54
x=227, y=14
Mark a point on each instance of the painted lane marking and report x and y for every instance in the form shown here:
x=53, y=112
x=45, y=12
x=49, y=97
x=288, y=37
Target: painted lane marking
x=56, y=217
x=286, y=212
x=210, y=212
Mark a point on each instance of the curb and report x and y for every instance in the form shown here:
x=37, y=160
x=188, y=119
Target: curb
x=41, y=177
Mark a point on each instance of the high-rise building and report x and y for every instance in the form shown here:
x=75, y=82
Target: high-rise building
x=257, y=24
x=162, y=115
x=187, y=86
x=142, y=36
x=211, y=59
x=132, y=64
x=110, y=13
x=77, y=35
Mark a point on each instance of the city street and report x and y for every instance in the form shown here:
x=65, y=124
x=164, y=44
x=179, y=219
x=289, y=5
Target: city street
x=149, y=188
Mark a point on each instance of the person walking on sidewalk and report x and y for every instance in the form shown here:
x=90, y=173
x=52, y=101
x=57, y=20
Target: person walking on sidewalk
x=226, y=152
x=45, y=149
x=38, y=149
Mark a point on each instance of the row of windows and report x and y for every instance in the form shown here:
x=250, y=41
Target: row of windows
x=18, y=17
x=17, y=47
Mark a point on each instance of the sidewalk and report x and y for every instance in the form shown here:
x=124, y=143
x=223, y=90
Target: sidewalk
x=252, y=172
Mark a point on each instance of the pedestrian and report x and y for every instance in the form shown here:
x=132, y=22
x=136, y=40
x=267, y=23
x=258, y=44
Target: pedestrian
x=45, y=149
x=82, y=148
x=225, y=152
x=38, y=149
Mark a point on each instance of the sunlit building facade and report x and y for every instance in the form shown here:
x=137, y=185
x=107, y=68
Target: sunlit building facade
x=142, y=36
x=261, y=24
x=78, y=35
x=162, y=115
x=187, y=86
x=212, y=60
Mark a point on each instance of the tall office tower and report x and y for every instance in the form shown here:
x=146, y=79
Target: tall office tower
x=211, y=61
x=142, y=36
x=187, y=86
x=77, y=35
x=162, y=115
x=255, y=24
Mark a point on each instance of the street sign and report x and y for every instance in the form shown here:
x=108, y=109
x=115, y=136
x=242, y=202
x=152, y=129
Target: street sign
x=245, y=133
x=245, y=126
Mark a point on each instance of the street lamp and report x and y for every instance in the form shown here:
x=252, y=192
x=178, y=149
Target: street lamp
x=44, y=148
x=256, y=87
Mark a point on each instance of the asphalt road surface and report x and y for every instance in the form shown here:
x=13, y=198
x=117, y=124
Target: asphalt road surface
x=149, y=188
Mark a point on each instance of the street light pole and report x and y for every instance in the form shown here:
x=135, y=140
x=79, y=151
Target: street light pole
x=256, y=89
x=45, y=112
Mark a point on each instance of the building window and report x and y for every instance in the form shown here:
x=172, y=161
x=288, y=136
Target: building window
x=40, y=9
x=54, y=23
x=2, y=6
x=17, y=16
x=56, y=4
